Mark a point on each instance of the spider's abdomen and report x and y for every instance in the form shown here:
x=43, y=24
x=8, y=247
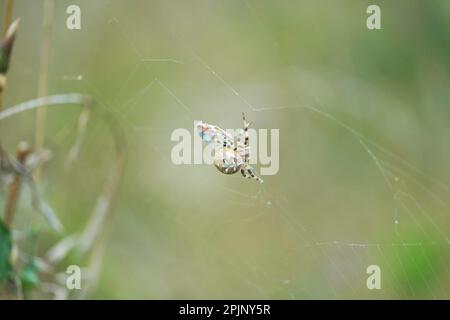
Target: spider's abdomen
x=227, y=160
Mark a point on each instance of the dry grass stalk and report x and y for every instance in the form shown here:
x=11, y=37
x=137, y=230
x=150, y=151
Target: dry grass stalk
x=6, y=46
x=8, y=15
x=23, y=150
x=43, y=81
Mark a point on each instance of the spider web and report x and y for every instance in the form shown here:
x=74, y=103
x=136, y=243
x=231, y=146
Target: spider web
x=199, y=234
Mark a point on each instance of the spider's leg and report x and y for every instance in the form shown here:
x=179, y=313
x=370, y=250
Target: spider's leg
x=240, y=148
x=235, y=149
x=233, y=143
x=246, y=124
x=252, y=174
x=244, y=174
x=246, y=138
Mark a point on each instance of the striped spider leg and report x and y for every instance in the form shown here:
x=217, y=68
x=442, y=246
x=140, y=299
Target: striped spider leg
x=246, y=168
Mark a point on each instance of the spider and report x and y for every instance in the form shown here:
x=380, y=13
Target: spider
x=229, y=157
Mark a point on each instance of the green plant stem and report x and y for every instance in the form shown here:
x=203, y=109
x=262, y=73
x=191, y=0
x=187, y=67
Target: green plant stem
x=2, y=86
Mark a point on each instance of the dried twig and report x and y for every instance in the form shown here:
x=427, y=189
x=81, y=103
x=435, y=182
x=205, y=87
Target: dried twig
x=23, y=150
x=20, y=171
x=6, y=46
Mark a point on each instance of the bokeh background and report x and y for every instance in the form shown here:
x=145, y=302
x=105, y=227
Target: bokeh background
x=364, y=144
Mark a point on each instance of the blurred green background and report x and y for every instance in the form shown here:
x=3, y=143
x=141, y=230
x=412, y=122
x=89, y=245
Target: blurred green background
x=336, y=206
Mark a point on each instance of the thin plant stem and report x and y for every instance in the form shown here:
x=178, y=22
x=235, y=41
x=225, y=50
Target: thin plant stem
x=1, y=98
x=6, y=23
x=54, y=100
x=8, y=15
x=23, y=150
x=43, y=81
